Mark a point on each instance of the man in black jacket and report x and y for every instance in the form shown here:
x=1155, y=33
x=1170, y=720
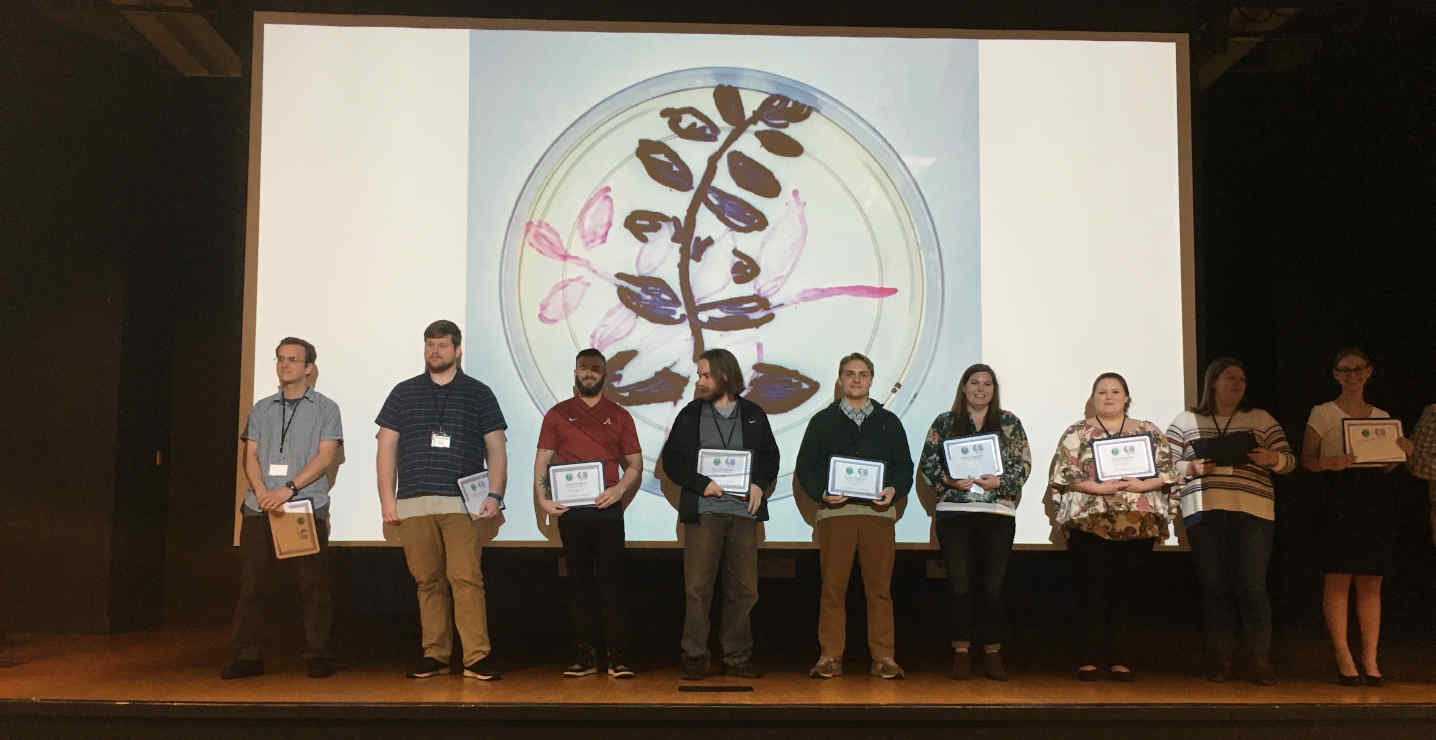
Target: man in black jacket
x=720, y=526
x=850, y=527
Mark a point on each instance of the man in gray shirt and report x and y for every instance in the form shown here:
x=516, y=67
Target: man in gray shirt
x=720, y=529
x=290, y=442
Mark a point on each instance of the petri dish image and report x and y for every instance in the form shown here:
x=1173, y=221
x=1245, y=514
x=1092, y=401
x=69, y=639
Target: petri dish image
x=807, y=239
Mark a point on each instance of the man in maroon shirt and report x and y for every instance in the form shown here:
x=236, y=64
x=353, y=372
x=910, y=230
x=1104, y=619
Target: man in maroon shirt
x=591, y=428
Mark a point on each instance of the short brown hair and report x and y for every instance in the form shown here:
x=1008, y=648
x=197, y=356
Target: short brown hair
x=309, y=354
x=725, y=370
x=444, y=328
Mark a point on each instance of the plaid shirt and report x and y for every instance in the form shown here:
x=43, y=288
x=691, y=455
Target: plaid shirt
x=857, y=415
x=1423, y=459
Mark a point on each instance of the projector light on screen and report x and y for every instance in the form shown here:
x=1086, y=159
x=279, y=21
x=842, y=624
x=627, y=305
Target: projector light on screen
x=656, y=190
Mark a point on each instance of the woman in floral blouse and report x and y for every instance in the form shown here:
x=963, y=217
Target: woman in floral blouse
x=976, y=517
x=1110, y=526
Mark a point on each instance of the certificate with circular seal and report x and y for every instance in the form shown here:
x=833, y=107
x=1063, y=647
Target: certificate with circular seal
x=1129, y=456
x=576, y=484
x=1372, y=441
x=728, y=468
x=855, y=477
x=972, y=457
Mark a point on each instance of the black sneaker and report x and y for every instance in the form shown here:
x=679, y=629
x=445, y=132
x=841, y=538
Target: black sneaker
x=482, y=669
x=242, y=669
x=584, y=662
x=320, y=668
x=618, y=666
x=746, y=669
x=428, y=668
x=694, y=669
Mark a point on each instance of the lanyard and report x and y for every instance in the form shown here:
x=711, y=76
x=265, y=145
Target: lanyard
x=284, y=425
x=1119, y=429
x=440, y=409
x=727, y=440
x=1222, y=430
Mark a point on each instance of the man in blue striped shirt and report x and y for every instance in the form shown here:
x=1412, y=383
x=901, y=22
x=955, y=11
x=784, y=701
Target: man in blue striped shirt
x=434, y=429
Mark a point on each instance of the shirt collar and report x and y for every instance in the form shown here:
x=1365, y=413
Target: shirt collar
x=308, y=395
x=857, y=415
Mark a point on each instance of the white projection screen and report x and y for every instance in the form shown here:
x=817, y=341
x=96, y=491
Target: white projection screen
x=1022, y=200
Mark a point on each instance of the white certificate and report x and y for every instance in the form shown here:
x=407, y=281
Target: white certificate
x=971, y=457
x=576, y=484
x=855, y=478
x=475, y=488
x=1124, y=457
x=1372, y=441
x=728, y=468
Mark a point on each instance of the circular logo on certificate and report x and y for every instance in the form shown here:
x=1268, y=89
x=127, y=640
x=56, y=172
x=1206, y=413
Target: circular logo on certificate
x=719, y=207
x=1131, y=449
x=1366, y=432
x=568, y=476
x=1116, y=452
x=964, y=450
x=979, y=448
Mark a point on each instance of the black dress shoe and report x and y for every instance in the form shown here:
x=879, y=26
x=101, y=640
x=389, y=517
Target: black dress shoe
x=1373, y=680
x=242, y=669
x=1126, y=676
x=1346, y=680
x=1089, y=674
x=320, y=668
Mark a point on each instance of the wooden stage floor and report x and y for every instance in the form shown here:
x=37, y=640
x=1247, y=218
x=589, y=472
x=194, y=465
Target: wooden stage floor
x=174, y=675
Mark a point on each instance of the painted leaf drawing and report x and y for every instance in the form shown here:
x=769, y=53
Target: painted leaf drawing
x=718, y=270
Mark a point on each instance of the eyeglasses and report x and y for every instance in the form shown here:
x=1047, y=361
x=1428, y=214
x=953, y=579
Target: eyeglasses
x=1352, y=370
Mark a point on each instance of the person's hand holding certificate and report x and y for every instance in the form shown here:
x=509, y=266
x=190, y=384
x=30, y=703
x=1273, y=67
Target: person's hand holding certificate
x=972, y=457
x=576, y=484
x=727, y=468
x=1373, y=441
x=855, y=478
x=1124, y=457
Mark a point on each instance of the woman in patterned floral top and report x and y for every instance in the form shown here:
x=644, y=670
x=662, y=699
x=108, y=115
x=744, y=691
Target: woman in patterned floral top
x=1110, y=526
x=976, y=518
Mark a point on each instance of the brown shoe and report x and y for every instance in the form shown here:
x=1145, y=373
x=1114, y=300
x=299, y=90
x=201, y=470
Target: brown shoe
x=826, y=668
x=992, y=665
x=886, y=668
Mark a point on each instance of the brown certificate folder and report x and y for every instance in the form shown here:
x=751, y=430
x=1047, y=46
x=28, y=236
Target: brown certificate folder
x=293, y=530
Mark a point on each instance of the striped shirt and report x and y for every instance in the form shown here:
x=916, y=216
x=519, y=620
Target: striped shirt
x=1243, y=488
x=418, y=408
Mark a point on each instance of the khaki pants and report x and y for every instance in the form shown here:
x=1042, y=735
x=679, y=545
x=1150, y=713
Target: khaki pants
x=869, y=540
x=443, y=552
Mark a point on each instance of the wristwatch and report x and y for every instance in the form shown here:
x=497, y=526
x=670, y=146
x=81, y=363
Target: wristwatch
x=290, y=485
x=499, y=499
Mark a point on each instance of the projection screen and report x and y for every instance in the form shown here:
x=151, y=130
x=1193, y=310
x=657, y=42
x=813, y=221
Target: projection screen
x=1022, y=200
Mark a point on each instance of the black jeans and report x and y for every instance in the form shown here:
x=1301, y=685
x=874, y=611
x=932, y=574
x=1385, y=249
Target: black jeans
x=593, y=549
x=976, y=548
x=1233, y=550
x=1104, y=575
x=257, y=562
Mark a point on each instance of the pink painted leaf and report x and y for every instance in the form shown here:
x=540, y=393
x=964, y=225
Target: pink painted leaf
x=656, y=251
x=562, y=299
x=596, y=218
x=543, y=239
x=715, y=271
x=781, y=246
x=613, y=327
x=857, y=291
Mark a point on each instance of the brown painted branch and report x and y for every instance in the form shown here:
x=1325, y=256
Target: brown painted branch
x=690, y=223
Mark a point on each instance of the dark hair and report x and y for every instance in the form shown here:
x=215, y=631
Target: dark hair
x=309, y=354
x=1215, y=368
x=993, y=421
x=444, y=328
x=590, y=352
x=1119, y=379
x=838, y=389
x=725, y=370
x=1346, y=352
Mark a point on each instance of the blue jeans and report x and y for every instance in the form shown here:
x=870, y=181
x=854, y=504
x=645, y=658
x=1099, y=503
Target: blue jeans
x=1233, y=551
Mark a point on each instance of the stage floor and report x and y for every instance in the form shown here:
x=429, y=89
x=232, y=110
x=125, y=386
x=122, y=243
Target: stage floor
x=181, y=666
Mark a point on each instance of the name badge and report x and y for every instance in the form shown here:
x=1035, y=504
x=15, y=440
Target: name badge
x=439, y=439
x=278, y=470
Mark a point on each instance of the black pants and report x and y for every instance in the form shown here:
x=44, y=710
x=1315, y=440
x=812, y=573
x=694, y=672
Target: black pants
x=976, y=548
x=257, y=563
x=1233, y=550
x=593, y=548
x=1104, y=575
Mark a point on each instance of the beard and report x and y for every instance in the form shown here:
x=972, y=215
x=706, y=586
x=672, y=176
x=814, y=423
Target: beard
x=592, y=390
x=439, y=366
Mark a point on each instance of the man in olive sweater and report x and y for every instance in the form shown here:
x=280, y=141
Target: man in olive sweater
x=855, y=426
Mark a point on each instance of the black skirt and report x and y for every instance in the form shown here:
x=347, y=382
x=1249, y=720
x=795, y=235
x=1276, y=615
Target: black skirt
x=1358, y=532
